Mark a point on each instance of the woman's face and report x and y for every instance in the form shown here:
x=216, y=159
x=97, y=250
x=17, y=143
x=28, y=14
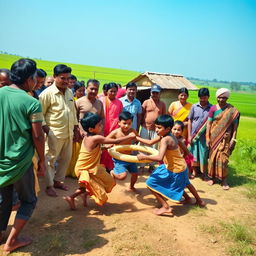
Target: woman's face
x=182, y=97
x=80, y=92
x=222, y=101
x=111, y=93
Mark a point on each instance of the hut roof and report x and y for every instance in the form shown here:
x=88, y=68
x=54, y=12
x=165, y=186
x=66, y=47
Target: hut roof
x=166, y=81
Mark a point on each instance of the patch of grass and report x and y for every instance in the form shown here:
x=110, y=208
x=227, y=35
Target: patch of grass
x=251, y=191
x=238, y=232
x=210, y=229
x=53, y=244
x=197, y=211
x=241, y=249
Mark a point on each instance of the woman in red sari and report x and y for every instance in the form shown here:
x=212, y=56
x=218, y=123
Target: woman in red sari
x=112, y=108
x=221, y=132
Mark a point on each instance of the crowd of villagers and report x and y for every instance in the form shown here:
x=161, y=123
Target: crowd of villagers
x=56, y=126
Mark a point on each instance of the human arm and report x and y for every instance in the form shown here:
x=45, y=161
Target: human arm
x=139, y=115
x=45, y=103
x=183, y=148
x=38, y=139
x=232, y=142
x=207, y=136
x=189, y=131
x=105, y=140
x=148, y=142
x=171, y=108
x=160, y=156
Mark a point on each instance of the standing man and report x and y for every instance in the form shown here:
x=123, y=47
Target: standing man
x=90, y=103
x=60, y=124
x=197, y=120
x=132, y=105
x=151, y=109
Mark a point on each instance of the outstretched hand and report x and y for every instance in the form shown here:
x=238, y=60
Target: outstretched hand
x=141, y=156
x=132, y=135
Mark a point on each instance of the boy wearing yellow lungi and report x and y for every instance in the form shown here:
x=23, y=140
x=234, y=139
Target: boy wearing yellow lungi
x=93, y=179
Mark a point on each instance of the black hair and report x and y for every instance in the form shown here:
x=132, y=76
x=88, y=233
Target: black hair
x=183, y=89
x=125, y=115
x=165, y=120
x=203, y=92
x=111, y=85
x=78, y=85
x=82, y=82
x=41, y=73
x=89, y=121
x=73, y=77
x=104, y=87
x=180, y=123
x=61, y=68
x=5, y=71
x=93, y=81
x=119, y=85
x=21, y=70
x=131, y=84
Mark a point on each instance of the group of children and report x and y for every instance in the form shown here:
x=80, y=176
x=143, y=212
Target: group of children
x=168, y=181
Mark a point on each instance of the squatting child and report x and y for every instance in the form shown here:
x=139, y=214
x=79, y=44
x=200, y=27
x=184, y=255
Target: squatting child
x=92, y=176
x=169, y=180
x=120, y=167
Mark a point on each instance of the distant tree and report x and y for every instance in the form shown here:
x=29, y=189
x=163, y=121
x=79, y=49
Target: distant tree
x=235, y=86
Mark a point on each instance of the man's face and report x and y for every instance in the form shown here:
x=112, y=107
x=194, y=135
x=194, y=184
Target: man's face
x=92, y=90
x=131, y=92
x=49, y=81
x=155, y=95
x=204, y=100
x=71, y=83
x=4, y=80
x=62, y=80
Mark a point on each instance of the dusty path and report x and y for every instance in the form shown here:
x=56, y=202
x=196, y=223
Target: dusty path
x=126, y=225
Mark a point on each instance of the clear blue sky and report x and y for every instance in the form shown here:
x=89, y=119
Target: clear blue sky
x=205, y=39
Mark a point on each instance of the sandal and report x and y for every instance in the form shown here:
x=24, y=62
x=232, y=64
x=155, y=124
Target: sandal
x=50, y=191
x=59, y=185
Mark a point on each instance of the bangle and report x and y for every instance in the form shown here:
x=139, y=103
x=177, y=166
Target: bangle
x=234, y=140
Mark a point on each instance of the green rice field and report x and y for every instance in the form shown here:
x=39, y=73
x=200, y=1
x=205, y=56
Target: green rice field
x=245, y=102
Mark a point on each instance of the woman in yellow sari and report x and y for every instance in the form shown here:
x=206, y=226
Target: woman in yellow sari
x=179, y=110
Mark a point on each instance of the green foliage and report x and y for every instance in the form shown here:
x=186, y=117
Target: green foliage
x=235, y=86
x=83, y=72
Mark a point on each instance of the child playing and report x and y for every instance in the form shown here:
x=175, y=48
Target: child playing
x=169, y=179
x=177, y=131
x=120, y=167
x=93, y=177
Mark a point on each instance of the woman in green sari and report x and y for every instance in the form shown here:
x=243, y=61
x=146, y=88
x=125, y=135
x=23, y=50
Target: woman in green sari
x=221, y=133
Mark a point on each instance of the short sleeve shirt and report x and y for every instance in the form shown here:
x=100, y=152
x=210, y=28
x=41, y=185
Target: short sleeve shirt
x=134, y=107
x=198, y=115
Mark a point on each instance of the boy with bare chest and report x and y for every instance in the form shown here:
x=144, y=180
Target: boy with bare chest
x=120, y=167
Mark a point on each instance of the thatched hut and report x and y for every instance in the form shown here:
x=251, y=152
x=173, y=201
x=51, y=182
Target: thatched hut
x=169, y=83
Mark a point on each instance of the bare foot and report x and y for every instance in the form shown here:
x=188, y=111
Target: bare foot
x=70, y=201
x=163, y=211
x=187, y=201
x=201, y=203
x=17, y=243
x=84, y=197
x=50, y=191
x=112, y=174
x=225, y=186
x=134, y=190
x=210, y=182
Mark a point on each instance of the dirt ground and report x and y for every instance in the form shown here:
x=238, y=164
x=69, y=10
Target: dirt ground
x=127, y=226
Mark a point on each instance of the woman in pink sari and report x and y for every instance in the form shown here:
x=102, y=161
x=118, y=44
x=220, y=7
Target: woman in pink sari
x=112, y=108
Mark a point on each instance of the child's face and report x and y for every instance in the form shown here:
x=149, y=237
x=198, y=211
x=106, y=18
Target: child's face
x=97, y=129
x=125, y=125
x=176, y=130
x=161, y=130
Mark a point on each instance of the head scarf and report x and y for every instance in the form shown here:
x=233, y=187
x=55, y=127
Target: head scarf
x=223, y=92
